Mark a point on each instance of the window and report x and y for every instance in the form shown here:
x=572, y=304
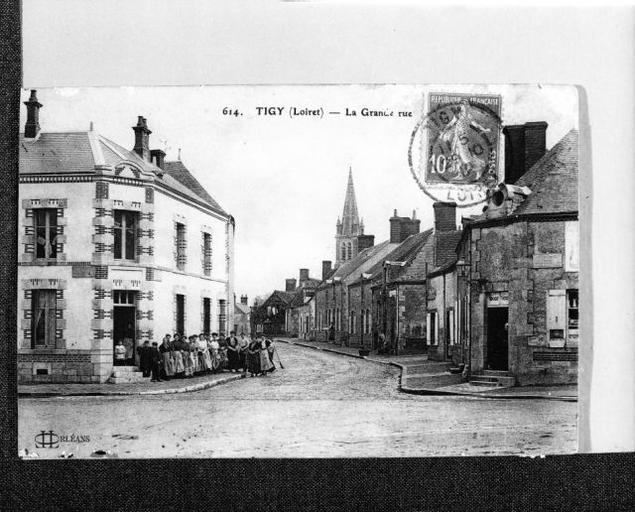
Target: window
x=207, y=254
x=572, y=317
x=180, y=313
x=222, y=317
x=181, y=245
x=343, y=247
x=43, y=305
x=125, y=231
x=207, y=315
x=432, y=328
x=46, y=232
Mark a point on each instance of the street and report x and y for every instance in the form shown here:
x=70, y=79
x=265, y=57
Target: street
x=320, y=405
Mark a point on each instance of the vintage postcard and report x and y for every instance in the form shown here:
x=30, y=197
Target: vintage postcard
x=299, y=271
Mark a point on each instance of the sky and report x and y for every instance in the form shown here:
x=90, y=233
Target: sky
x=282, y=178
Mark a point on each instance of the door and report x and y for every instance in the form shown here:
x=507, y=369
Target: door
x=497, y=338
x=124, y=323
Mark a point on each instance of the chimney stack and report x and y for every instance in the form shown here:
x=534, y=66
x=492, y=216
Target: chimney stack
x=243, y=300
x=290, y=285
x=157, y=157
x=142, y=138
x=402, y=227
x=364, y=242
x=32, y=126
x=525, y=144
x=304, y=275
x=444, y=216
x=326, y=269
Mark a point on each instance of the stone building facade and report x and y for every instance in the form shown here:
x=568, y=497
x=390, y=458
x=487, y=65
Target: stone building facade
x=115, y=245
x=518, y=271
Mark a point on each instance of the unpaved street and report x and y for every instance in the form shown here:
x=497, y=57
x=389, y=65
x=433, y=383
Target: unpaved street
x=320, y=405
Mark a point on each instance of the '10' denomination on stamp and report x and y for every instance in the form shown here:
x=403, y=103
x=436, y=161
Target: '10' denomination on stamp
x=454, y=149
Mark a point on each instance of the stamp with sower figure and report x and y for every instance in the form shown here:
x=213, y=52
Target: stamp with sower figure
x=454, y=149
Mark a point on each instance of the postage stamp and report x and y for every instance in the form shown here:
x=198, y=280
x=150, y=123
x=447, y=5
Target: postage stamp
x=454, y=148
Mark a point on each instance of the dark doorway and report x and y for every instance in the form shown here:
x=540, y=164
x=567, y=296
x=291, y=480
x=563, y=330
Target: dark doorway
x=125, y=323
x=497, y=338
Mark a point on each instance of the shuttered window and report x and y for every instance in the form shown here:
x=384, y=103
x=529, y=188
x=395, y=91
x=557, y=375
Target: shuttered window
x=181, y=245
x=43, y=306
x=45, y=232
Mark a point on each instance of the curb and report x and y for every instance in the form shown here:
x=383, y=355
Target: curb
x=434, y=392
x=169, y=391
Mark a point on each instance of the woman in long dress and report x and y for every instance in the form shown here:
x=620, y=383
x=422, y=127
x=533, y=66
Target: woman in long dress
x=265, y=362
x=233, y=358
x=166, y=354
x=203, y=353
x=243, y=348
x=253, y=358
x=188, y=363
x=177, y=355
x=214, y=353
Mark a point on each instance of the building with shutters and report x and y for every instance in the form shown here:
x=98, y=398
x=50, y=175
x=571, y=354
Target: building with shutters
x=116, y=244
x=517, y=274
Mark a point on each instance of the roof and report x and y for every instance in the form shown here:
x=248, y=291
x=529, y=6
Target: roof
x=403, y=252
x=553, y=179
x=179, y=172
x=446, y=247
x=366, y=259
x=438, y=250
x=80, y=152
x=311, y=282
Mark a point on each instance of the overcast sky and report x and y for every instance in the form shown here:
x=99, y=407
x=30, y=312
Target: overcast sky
x=284, y=179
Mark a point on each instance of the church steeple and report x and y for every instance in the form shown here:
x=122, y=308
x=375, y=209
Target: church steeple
x=350, y=217
x=349, y=229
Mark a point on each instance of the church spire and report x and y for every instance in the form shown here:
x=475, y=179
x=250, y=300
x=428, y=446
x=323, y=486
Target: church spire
x=350, y=218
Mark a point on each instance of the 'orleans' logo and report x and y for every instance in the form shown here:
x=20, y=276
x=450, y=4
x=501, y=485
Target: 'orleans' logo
x=454, y=149
x=47, y=439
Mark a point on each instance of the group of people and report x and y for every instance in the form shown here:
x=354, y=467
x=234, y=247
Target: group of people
x=180, y=356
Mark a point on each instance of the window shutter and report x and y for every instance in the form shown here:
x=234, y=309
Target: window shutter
x=556, y=317
x=428, y=318
x=572, y=246
x=436, y=329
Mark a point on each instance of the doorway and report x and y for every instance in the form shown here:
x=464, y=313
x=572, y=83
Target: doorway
x=124, y=320
x=497, y=338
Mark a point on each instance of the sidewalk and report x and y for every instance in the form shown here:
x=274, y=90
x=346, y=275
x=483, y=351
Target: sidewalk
x=133, y=388
x=422, y=377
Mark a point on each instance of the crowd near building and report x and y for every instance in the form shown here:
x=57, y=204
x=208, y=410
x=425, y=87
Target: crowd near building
x=497, y=291
x=116, y=245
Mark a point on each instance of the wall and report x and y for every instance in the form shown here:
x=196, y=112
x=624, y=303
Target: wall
x=525, y=259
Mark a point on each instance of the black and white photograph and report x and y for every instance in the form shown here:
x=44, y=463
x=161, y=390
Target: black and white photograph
x=298, y=271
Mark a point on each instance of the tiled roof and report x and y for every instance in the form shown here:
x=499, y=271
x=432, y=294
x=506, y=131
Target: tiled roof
x=553, y=179
x=446, y=247
x=366, y=259
x=405, y=251
x=72, y=152
x=438, y=250
x=181, y=173
x=56, y=152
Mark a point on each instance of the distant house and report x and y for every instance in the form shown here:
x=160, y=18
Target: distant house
x=269, y=317
x=116, y=245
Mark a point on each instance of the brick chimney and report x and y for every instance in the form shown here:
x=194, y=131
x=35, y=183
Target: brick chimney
x=444, y=216
x=304, y=275
x=290, y=285
x=32, y=126
x=525, y=144
x=243, y=300
x=327, y=269
x=402, y=227
x=157, y=157
x=142, y=138
x=364, y=242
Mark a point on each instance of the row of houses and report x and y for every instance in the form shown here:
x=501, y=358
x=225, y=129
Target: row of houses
x=498, y=291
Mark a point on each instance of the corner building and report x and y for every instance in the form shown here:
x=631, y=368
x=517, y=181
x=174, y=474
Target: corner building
x=115, y=245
